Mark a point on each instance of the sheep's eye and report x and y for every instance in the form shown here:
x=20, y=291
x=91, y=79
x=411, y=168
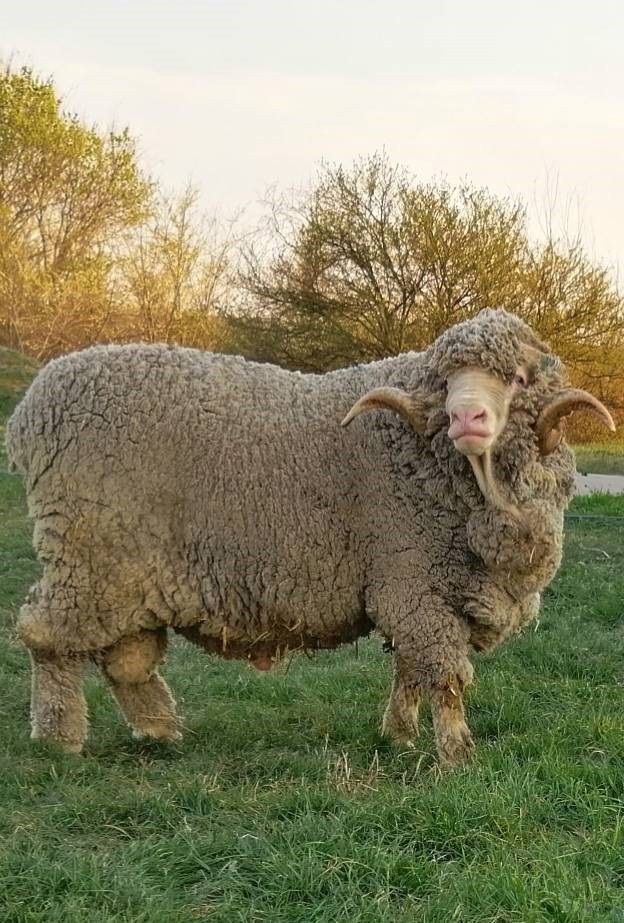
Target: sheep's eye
x=521, y=379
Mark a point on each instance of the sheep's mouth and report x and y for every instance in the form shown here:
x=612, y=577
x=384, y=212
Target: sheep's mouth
x=474, y=441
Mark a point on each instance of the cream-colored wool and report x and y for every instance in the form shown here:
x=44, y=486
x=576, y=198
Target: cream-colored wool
x=173, y=488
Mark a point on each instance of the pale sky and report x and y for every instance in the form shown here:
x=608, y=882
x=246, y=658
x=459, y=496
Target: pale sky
x=237, y=95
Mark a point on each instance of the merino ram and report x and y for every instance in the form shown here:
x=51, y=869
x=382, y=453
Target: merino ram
x=176, y=489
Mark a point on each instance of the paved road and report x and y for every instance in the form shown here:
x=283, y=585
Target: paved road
x=607, y=483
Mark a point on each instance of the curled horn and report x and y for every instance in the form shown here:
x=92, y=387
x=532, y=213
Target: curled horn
x=566, y=402
x=411, y=407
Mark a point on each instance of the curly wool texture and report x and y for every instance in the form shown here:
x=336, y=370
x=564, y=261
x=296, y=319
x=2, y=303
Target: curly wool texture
x=495, y=343
x=175, y=488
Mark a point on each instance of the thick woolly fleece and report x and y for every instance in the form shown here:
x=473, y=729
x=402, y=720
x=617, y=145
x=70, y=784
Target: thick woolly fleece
x=175, y=488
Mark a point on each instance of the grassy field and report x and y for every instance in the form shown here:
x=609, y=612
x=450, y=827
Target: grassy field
x=284, y=804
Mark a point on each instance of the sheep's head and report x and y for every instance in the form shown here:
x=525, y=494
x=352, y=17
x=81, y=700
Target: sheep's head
x=483, y=372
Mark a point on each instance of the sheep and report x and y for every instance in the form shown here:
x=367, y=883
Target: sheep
x=172, y=488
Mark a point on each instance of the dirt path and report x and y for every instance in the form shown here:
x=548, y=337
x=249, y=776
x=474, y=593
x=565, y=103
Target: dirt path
x=607, y=483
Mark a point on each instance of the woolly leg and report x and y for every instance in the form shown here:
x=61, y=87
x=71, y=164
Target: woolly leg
x=400, y=720
x=453, y=738
x=149, y=708
x=58, y=708
x=130, y=668
x=431, y=653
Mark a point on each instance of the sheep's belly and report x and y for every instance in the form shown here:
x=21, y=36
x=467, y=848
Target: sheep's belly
x=268, y=647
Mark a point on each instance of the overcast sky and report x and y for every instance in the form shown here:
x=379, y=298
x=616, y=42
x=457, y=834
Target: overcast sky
x=237, y=95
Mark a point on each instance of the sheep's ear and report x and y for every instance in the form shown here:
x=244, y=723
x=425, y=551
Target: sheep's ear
x=548, y=427
x=412, y=407
x=534, y=343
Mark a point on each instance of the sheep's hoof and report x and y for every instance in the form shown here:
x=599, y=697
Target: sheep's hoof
x=457, y=748
x=402, y=741
x=157, y=733
x=398, y=731
x=67, y=746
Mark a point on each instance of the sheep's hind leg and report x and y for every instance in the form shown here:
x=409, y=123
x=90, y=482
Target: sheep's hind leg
x=58, y=709
x=400, y=720
x=130, y=667
x=453, y=738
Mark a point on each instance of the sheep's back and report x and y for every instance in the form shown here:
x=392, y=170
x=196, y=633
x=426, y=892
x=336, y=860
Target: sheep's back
x=182, y=480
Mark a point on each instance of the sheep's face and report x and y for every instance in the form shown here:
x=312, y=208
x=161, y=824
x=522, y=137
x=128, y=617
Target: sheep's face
x=491, y=374
x=477, y=405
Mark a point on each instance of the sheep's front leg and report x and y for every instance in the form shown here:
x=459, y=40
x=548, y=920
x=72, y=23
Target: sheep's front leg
x=453, y=739
x=58, y=709
x=400, y=720
x=431, y=656
x=130, y=667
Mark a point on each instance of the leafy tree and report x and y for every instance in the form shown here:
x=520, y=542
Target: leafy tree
x=369, y=262
x=66, y=192
x=174, y=274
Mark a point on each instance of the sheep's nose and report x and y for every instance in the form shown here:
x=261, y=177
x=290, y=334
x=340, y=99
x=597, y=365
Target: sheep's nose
x=469, y=423
x=466, y=418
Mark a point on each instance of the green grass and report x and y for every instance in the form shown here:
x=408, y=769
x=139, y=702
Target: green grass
x=600, y=458
x=16, y=373
x=283, y=803
x=597, y=504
